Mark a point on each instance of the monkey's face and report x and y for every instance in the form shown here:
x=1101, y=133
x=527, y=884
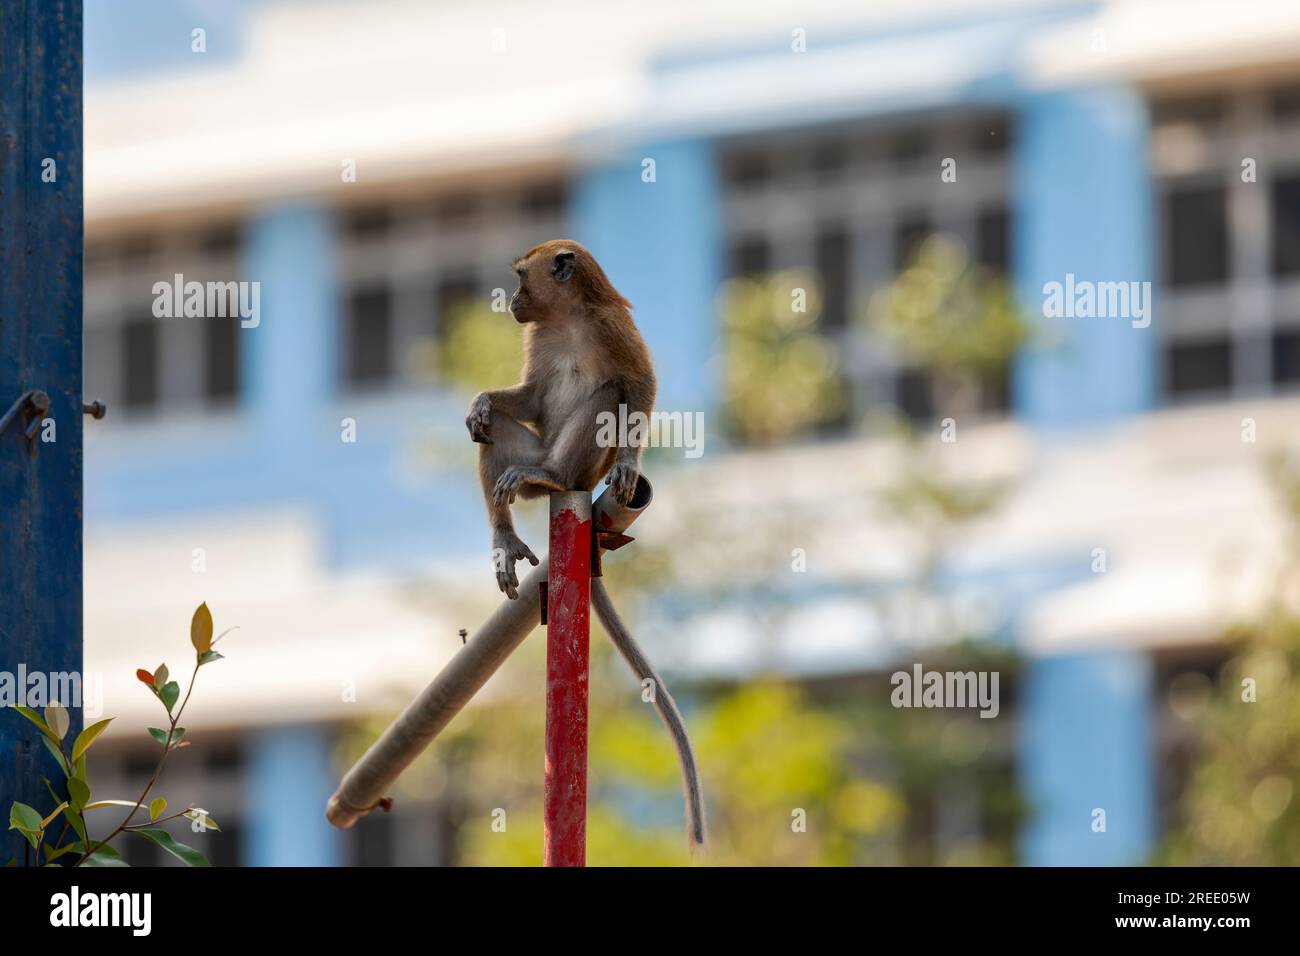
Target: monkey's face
x=545, y=286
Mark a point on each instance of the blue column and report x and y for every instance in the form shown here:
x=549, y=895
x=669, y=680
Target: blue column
x=1083, y=206
x=290, y=357
x=661, y=243
x=40, y=349
x=1087, y=744
x=290, y=776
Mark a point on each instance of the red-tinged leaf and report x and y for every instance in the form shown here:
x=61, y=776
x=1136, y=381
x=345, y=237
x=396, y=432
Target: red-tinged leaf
x=144, y=677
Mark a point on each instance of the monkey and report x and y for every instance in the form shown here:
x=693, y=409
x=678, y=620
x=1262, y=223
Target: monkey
x=583, y=357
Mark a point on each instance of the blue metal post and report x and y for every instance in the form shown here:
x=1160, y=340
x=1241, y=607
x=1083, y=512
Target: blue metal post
x=40, y=348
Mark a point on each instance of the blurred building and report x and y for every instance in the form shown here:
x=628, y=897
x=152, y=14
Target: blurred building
x=682, y=143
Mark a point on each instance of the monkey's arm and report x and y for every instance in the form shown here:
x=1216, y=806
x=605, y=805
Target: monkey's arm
x=638, y=394
x=520, y=402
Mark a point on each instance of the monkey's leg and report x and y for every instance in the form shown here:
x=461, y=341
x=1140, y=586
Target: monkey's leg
x=566, y=464
x=512, y=446
x=573, y=459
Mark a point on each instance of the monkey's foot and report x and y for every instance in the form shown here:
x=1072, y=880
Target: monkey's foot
x=479, y=420
x=511, y=480
x=622, y=478
x=506, y=550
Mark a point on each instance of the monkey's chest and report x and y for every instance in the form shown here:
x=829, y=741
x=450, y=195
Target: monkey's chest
x=569, y=387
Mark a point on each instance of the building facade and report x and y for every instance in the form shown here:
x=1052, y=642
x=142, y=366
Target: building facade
x=373, y=172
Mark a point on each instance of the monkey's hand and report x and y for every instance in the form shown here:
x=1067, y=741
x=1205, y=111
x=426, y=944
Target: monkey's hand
x=622, y=478
x=479, y=420
x=506, y=550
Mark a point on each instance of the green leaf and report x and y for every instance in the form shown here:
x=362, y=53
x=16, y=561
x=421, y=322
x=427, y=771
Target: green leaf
x=224, y=633
x=162, y=838
x=38, y=720
x=78, y=793
x=210, y=656
x=109, y=851
x=76, y=846
x=53, y=747
x=156, y=807
x=58, y=720
x=201, y=629
x=105, y=856
x=26, y=821
x=88, y=737
x=161, y=736
x=23, y=817
x=78, y=822
x=99, y=804
x=57, y=810
x=169, y=693
x=200, y=816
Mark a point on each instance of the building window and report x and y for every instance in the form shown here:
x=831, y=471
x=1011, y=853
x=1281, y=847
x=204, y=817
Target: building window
x=1197, y=236
x=909, y=233
x=409, y=262
x=454, y=292
x=1286, y=358
x=1197, y=368
x=993, y=242
x=1286, y=226
x=144, y=365
x=221, y=354
x=832, y=265
x=140, y=363
x=851, y=205
x=369, y=336
x=749, y=257
x=1226, y=241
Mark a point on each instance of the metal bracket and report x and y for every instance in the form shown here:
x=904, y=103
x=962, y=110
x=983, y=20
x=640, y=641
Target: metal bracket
x=32, y=404
x=605, y=541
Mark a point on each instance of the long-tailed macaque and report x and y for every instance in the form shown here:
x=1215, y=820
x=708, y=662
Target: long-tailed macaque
x=583, y=357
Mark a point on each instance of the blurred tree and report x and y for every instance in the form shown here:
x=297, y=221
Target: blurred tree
x=779, y=375
x=1241, y=806
x=952, y=318
x=481, y=349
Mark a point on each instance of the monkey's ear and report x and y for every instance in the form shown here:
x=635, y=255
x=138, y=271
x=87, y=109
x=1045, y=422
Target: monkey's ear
x=564, y=266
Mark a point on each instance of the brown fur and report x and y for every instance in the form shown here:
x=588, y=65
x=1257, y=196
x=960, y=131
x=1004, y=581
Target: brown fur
x=583, y=356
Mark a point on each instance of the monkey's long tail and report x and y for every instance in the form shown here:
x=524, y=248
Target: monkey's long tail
x=663, y=702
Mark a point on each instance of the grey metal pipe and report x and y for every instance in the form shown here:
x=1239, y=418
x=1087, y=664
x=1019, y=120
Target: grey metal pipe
x=465, y=674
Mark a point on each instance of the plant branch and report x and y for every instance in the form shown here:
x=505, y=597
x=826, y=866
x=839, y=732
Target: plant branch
x=162, y=760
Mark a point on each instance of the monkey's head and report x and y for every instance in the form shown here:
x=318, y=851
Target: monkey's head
x=558, y=278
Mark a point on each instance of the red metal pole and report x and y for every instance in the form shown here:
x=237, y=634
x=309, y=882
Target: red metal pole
x=568, y=632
